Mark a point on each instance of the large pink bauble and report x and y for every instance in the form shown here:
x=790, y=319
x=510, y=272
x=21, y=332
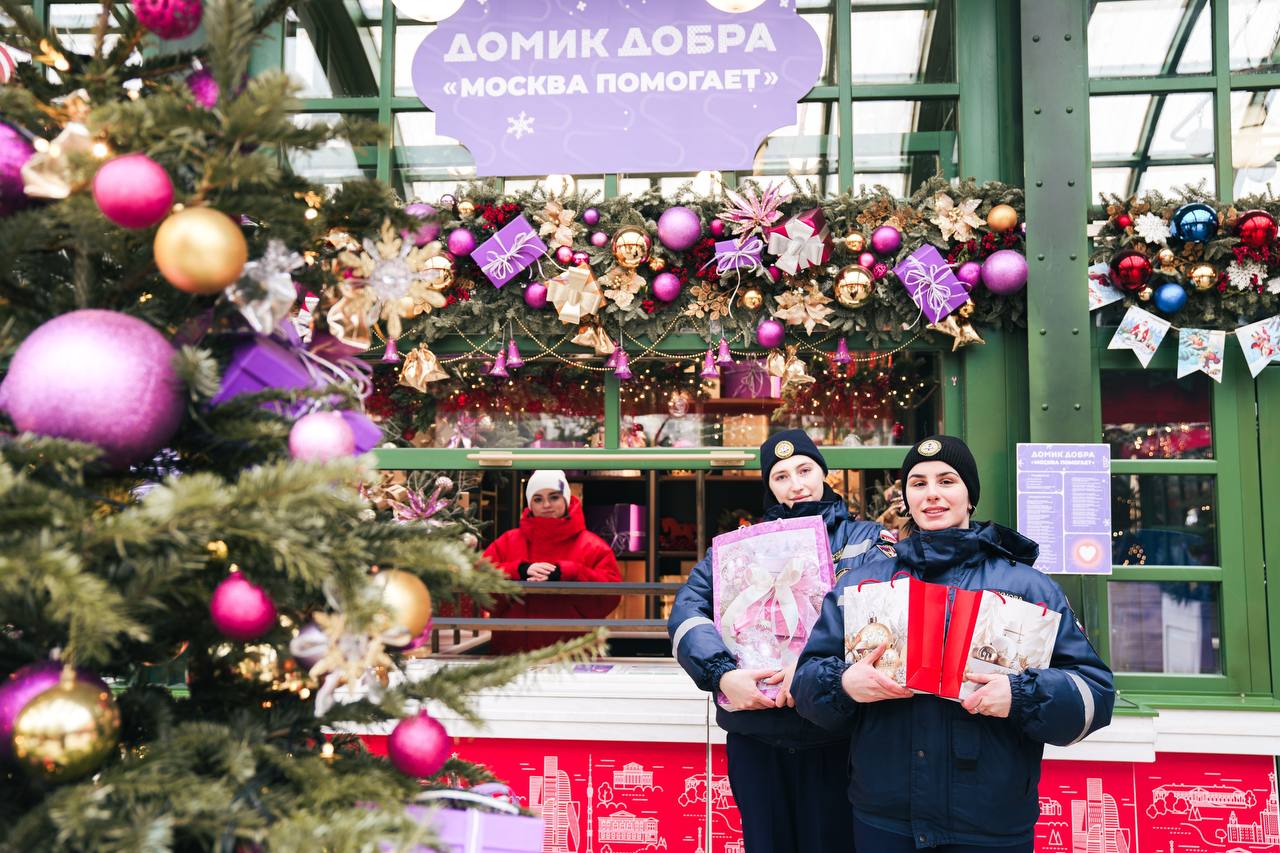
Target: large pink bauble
x=240, y=609
x=886, y=240
x=133, y=191
x=169, y=19
x=100, y=377
x=666, y=286
x=429, y=229
x=1005, y=272
x=461, y=242
x=320, y=436
x=969, y=273
x=535, y=296
x=15, y=150
x=770, y=333
x=679, y=228
x=419, y=745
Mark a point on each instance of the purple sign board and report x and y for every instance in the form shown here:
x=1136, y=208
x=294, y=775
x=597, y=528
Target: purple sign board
x=536, y=87
x=1064, y=504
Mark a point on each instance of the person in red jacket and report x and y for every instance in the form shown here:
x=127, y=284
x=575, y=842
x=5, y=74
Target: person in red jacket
x=552, y=543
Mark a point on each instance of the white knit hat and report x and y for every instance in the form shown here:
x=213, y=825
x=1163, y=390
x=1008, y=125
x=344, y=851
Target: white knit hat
x=550, y=479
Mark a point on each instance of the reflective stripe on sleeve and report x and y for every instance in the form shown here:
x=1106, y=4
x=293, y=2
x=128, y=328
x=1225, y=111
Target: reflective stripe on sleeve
x=1086, y=696
x=686, y=626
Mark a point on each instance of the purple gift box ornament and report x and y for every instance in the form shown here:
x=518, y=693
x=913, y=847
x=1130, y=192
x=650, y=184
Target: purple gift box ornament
x=509, y=252
x=931, y=283
x=737, y=254
x=489, y=825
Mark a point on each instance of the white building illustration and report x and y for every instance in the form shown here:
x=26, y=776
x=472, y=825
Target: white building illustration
x=551, y=796
x=1206, y=796
x=694, y=791
x=1265, y=832
x=626, y=828
x=1050, y=807
x=633, y=775
x=734, y=847
x=1095, y=823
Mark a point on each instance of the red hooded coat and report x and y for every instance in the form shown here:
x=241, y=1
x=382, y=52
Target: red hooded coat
x=578, y=553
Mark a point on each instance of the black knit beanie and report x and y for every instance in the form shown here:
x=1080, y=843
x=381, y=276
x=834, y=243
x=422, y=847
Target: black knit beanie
x=948, y=449
x=784, y=445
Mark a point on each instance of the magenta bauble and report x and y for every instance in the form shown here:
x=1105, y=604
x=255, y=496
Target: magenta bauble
x=169, y=19
x=886, y=240
x=969, y=273
x=1005, y=272
x=100, y=377
x=429, y=229
x=419, y=745
x=679, y=228
x=320, y=436
x=581, y=259
x=770, y=334
x=867, y=260
x=535, y=296
x=15, y=150
x=461, y=242
x=599, y=238
x=204, y=88
x=666, y=286
x=564, y=255
x=591, y=216
x=133, y=191
x=240, y=609
x=717, y=228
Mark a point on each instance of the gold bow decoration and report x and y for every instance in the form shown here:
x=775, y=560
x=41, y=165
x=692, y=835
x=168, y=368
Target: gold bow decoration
x=558, y=224
x=421, y=368
x=351, y=317
x=358, y=659
x=48, y=172
x=592, y=334
x=575, y=294
x=961, y=331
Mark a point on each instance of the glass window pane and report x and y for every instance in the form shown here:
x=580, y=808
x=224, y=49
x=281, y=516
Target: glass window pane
x=668, y=405
x=330, y=53
x=824, y=25
x=408, y=39
x=1165, y=627
x=1255, y=140
x=904, y=45
x=426, y=164
x=1163, y=520
x=1255, y=35
x=805, y=150
x=901, y=144
x=1175, y=38
x=1148, y=414
x=1151, y=142
x=337, y=161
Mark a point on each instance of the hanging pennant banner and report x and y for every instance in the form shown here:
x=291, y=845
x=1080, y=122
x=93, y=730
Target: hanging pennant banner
x=1260, y=343
x=534, y=87
x=1201, y=350
x=1142, y=332
x=1101, y=290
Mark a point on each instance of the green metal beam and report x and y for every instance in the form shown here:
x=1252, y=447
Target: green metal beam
x=1222, y=101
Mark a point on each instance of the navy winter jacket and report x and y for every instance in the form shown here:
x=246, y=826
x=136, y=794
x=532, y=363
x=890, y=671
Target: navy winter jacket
x=924, y=766
x=699, y=648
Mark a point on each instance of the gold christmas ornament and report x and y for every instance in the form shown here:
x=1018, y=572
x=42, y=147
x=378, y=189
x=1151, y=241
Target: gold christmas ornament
x=1145, y=294
x=200, y=250
x=657, y=264
x=966, y=310
x=889, y=661
x=855, y=242
x=67, y=731
x=1166, y=257
x=961, y=333
x=1204, y=276
x=437, y=270
x=872, y=636
x=575, y=294
x=421, y=368
x=752, y=299
x=854, y=285
x=593, y=335
x=466, y=208
x=406, y=598
x=631, y=246
x=1002, y=218
x=794, y=370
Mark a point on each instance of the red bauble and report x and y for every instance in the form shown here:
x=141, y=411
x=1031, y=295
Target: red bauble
x=419, y=745
x=1256, y=229
x=1124, y=220
x=1130, y=270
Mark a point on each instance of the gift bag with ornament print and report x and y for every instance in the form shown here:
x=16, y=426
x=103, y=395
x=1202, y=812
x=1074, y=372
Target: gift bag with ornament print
x=991, y=632
x=906, y=614
x=768, y=582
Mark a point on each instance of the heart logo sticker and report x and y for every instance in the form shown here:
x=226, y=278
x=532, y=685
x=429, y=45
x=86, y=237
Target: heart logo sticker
x=1087, y=553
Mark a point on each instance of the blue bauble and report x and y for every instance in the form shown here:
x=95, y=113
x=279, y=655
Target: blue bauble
x=1170, y=297
x=1195, y=223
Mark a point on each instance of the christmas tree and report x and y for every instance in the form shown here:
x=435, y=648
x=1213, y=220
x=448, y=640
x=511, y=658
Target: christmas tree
x=199, y=573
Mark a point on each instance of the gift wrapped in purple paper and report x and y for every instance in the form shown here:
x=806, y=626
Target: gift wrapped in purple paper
x=739, y=253
x=932, y=285
x=490, y=824
x=509, y=252
x=367, y=433
x=748, y=380
x=259, y=363
x=624, y=527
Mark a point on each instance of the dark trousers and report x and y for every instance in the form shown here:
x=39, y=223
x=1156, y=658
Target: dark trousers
x=791, y=800
x=872, y=840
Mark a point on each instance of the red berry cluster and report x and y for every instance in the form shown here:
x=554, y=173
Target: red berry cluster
x=649, y=306
x=1265, y=254
x=977, y=250
x=498, y=215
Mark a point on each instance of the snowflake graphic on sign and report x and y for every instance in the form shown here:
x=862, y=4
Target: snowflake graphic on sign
x=661, y=86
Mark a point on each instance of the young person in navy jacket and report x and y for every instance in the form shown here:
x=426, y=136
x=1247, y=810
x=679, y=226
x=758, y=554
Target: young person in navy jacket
x=931, y=772
x=787, y=774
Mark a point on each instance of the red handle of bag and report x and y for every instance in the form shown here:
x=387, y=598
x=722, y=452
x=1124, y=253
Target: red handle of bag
x=1045, y=611
x=896, y=575
x=999, y=596
x=868, y=580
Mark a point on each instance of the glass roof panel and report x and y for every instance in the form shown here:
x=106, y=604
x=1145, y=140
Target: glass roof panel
x=1255, y=35
x=1255, y=140
x=904, y=45
x=1115, y=52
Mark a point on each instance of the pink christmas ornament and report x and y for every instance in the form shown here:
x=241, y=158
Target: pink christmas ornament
x=15, y=150
x=709, y=369
x=564, y=255
x=770, y=334
x=599, y=239
x=842, y=355
x=169, y=19
x=717, y=227
x=391, y=355
x=499, y=368
x=622, y=366
x=666, y=287
x=100, y=377
x=461, y=242
x=1005, y=272
x=679, y=228
x=535, y=296
x=866, y=260
x=321, y=436
x=581, y=259
x=590, y=216
x=612, y=361
x=514, y=359
x=724, y=358
x=204, y=88
x=775, y=274
x=886, y=240
x=429, y=229
x=419, y=745
x=240, y=609
x=969, y=273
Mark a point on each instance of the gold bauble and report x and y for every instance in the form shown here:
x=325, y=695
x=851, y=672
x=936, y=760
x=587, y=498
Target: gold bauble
x=888, y=662
x=200, y=250
x=437, y=270
x=1204, y=276
x=752, y=299
x=631, y=246
x=1002, y=218
x=657, y=264
x=1166, y=257
x=466, y=207
x=854, y=285
x=855, y=242
x=1145, y=294
x=67, y=731
x=966, y=310
x=407, y=599
x=872, y=636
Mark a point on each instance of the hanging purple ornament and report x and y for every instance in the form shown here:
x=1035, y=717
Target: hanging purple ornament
x=666, y=287
x=724, y=358
x=240, y=609
x=842, y=355
x=321, y=436
x=717, y=227
x=622, y=368
x=770, y=334
x=535, y=296
x=514, y=359
x=391, y=355
x=133, y=191
x=419, y=746
x=15, y=150
x=969, y=273
x=886, y=240
x=204, y=88
x=709, y=368
x=866, y=260
x=599, y=239
x=499, y=368
x=429, y=229
x=612, y=361
x=169, y=19
x=461, y=242
x=590, y=216
x=564, y=255
x=581, y=259
x=679, y=228
x=1005, y=272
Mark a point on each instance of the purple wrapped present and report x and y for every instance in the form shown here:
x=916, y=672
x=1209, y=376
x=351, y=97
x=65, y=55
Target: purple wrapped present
x=748, y=380
x=737, y=254
x=258, y=363
x=367, y=433
x=490, y=826
x=623, y=526
x=506, y=254
x=932, y=285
